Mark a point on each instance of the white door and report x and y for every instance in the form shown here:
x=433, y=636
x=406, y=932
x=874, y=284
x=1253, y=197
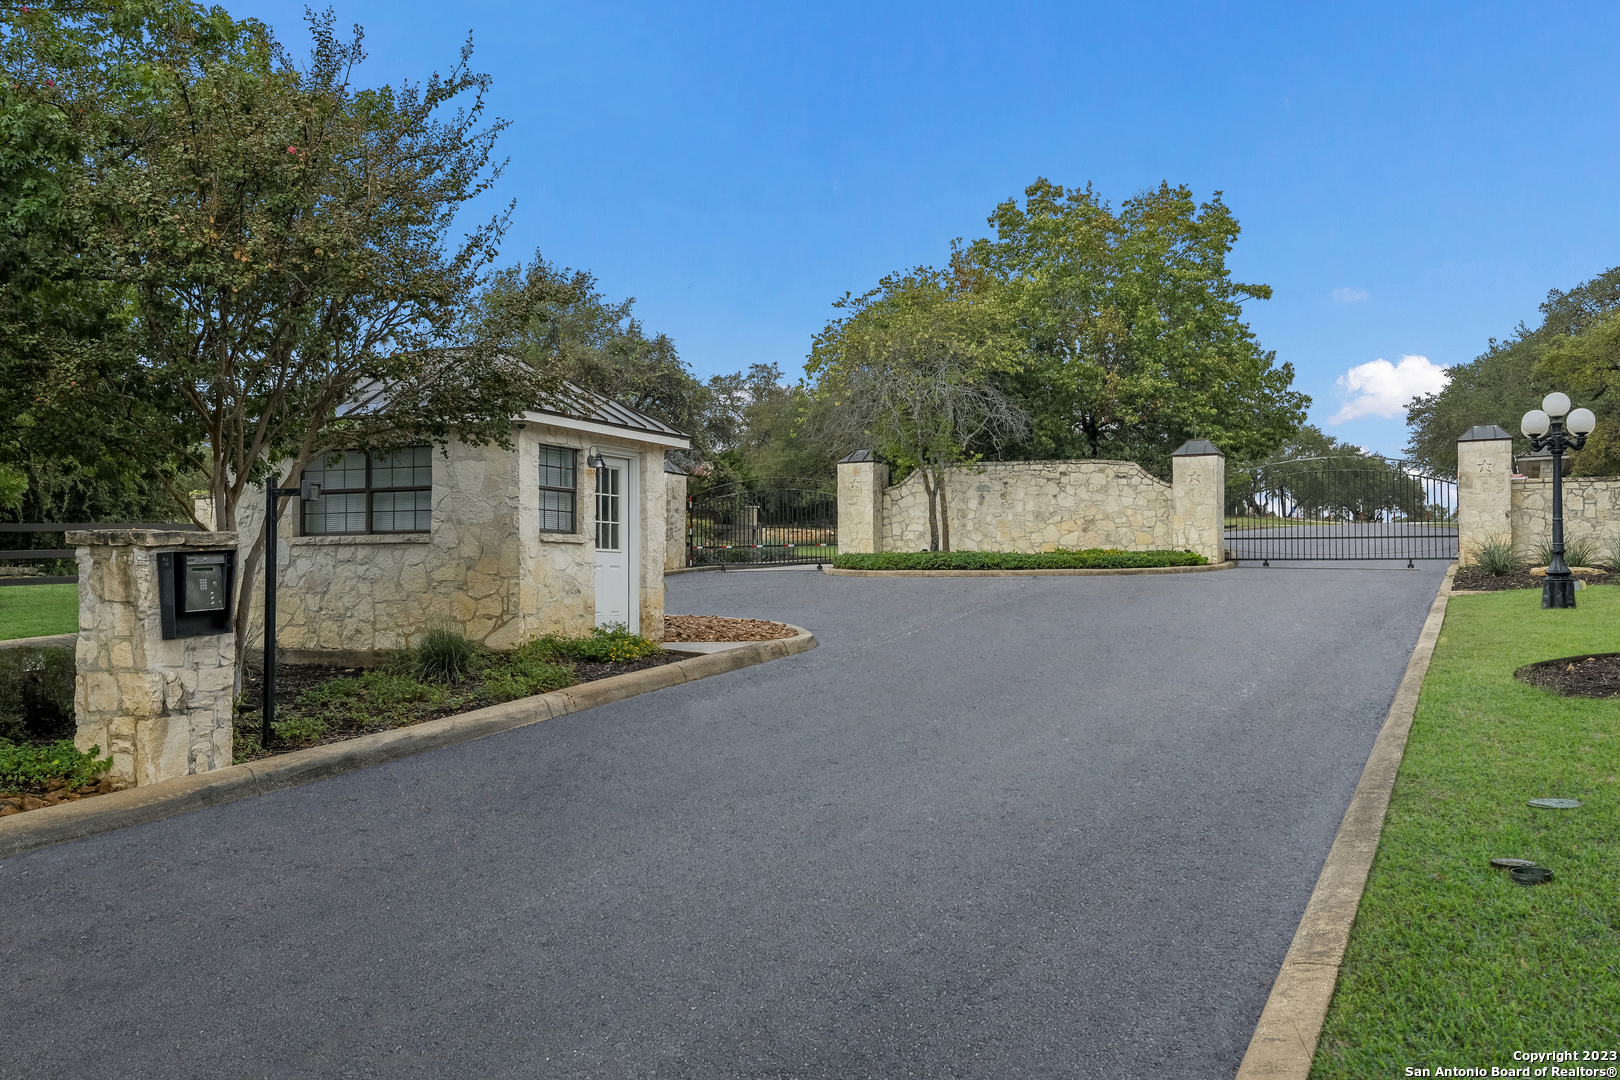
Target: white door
x=616, y=544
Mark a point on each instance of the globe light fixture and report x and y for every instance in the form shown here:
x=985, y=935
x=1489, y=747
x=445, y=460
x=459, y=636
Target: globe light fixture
x=1553, y=427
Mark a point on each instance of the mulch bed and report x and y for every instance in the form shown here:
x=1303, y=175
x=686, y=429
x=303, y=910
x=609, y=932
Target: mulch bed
x=294, y=679
x=1596, y=675
x=715, y=628
x=1473, y=579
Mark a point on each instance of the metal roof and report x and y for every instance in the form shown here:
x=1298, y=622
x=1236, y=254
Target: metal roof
x=582, y=404
x=1483, y=433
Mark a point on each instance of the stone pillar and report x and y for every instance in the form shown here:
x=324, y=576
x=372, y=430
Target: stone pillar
x=161, y=707
x=861, y=480
x=1198, y=485
x=674, y=516
x=1484, y=489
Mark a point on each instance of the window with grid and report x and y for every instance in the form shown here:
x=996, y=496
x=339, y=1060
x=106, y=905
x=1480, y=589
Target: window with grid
x=372, y=493
x=557, y=489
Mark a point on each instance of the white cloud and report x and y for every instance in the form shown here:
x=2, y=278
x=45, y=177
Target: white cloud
x=1350, y=296
x=1380, y=388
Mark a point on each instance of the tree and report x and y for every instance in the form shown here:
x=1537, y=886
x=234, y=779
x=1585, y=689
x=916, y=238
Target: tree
x=1587, y=365
x=278, y=245
x=1131, y=326
x=1503, y=383
x=599, y=344
x=910, y=369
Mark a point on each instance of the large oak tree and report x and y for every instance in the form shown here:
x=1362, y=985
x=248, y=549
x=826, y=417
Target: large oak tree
x=230, y=250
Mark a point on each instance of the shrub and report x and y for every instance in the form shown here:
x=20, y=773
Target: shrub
x=606, y=645
x=1576, y=553
x=1061, y=559
x=525, y=674
x=444, y=656
x=1497, y=557
x=37, y=765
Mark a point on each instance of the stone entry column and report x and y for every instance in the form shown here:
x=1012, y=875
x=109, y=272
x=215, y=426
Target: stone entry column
x=861, y=480
x=1484, y=489
x=1198, y=481
x=161, y=707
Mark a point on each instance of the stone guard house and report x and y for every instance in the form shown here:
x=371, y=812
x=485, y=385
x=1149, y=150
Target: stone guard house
x=505, y=545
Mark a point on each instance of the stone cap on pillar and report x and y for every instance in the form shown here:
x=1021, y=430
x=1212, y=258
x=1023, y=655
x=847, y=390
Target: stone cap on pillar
x=859, y=457
x=151, y=538
x=672, y=468
x=1483, y=433
x=1198, y=448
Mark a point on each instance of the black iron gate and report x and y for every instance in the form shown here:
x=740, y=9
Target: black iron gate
x=1340, y=508
x=771, y=526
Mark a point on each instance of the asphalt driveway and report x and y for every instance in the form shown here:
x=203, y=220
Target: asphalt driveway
x=992, y=827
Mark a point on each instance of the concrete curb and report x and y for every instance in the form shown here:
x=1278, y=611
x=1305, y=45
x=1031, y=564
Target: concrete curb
x=70, y=821
x=1284, y=1042
x=1230, y=565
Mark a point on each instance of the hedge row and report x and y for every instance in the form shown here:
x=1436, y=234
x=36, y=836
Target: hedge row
x=1090, y=559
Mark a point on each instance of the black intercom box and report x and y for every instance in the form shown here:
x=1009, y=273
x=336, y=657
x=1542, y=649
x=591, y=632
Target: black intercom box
x=194, y=592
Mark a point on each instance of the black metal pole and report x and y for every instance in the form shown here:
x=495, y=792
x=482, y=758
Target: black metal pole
x=272, y=489
x=1559, y=590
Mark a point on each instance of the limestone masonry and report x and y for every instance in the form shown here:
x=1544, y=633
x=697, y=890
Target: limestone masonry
x=161, y=708
x=1031, y=506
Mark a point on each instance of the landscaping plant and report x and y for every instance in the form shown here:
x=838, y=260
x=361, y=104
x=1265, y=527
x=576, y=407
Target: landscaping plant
x=1576, y=553
x=445, y=655
x=444, y=675
x=1061, y=559
x=30, y=767
x=1497, y=557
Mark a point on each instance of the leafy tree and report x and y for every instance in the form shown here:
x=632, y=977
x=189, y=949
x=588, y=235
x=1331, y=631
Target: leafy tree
x=278, y=244
x=1131, y=325
x=1503, y=383
x=1587, y=365
x=599, y=344
x=911, y=369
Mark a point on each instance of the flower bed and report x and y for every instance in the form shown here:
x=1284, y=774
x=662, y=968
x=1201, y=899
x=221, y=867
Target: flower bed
x=1061, y=559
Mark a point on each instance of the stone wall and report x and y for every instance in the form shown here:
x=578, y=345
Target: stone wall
x=1034, y=506
x=674, y=519
x=1484, y=489
x=161, y=708
x=1591, y=512
x=484, y=566
x=862, y=482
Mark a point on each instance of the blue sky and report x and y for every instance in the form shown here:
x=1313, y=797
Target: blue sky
x=1411, y=179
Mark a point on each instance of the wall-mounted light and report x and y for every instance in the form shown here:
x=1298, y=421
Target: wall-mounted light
x=595, y=459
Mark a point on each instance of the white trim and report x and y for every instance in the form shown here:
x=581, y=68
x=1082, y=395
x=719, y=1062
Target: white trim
x=594, y=427
x=631, y=524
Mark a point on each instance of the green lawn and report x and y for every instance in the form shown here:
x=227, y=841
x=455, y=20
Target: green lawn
x=1451, y=963
x=37, y=610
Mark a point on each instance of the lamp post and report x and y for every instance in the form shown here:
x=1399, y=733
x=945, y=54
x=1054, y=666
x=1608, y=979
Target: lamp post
x=1546, y=428
x=309, y=491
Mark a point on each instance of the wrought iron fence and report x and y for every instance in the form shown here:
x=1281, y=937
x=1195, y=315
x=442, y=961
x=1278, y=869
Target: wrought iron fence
x=1340, y=508
x=774, y=526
